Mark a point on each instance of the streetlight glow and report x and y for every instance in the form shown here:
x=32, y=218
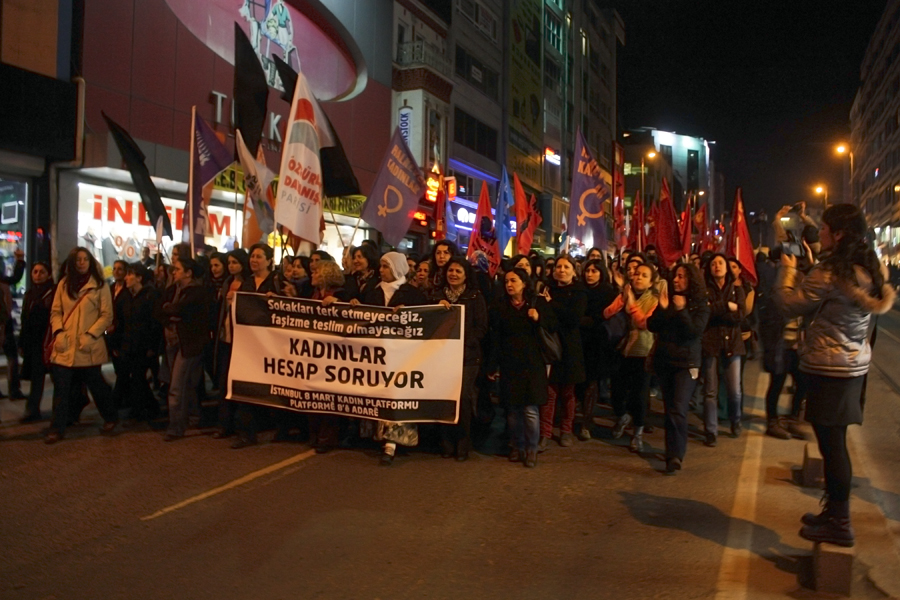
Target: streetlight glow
x=819, y=189
x=841, y=149
x=651, y=154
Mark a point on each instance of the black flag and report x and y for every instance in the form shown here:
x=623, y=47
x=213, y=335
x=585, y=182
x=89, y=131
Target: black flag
x=134, y=161
x=338, y=178
x=251, y=92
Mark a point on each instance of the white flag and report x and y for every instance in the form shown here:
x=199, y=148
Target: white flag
x=299, y=204
x=257, y=178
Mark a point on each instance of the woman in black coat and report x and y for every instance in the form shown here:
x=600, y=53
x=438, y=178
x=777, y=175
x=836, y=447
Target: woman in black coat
x=35, y=320
x=598, y=356
x=568, y=299
x=135, y=338
x=462, y=288
x=364, y=278
x=680, y=322
x=517, y=360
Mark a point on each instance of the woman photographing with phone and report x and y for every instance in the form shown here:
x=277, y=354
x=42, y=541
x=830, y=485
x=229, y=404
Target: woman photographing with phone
x=836, y=299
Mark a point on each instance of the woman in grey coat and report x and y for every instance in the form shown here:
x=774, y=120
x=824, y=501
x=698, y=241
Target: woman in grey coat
x=836, y=300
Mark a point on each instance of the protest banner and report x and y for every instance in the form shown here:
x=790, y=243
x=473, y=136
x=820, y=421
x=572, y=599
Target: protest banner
x=357, y=361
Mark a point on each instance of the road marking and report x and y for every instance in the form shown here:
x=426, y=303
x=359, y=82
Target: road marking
x=888, y=333
x=734, y=572
x=232, y=484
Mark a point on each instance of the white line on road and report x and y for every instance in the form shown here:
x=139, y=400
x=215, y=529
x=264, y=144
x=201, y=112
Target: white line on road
x=233, y=484
x=734, y=572
x=888, y=333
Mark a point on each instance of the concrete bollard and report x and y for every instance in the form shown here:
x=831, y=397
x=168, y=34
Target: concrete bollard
x=813, y=473
x=832, y=568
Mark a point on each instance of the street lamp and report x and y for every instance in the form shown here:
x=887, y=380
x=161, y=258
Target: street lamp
x=651, y=155
x=822, y=190
x=842, y=149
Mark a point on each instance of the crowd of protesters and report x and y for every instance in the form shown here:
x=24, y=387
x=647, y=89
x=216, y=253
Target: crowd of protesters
x=628, y=328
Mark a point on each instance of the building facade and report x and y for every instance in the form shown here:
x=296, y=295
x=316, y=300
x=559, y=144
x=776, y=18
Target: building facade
x=874, y=161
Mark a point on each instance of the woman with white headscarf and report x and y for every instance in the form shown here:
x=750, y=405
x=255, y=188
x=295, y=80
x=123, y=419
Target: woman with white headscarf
x=395, y=292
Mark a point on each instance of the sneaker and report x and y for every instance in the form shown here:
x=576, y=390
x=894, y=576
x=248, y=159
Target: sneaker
x=637, y=443
x=543, y=444
x=621, y=424
x=736, y=429
x=710, y=440
x=672, y=465
x=584, y=434
x=775, y=430
x=531, y=459
x=566, y=440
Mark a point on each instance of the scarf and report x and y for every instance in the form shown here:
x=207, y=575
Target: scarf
x=640, y=341
x=399, y=268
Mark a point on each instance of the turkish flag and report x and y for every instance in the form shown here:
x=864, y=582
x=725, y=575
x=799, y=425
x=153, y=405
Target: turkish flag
x=738, y=243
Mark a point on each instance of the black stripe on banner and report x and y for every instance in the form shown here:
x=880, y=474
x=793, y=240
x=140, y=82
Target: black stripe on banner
x=364, y=407
x=432, y=322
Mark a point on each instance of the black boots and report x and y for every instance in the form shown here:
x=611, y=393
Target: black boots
x=831, y=526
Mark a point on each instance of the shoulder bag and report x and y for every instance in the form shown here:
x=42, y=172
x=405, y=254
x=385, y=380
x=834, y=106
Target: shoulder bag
x=50, y=336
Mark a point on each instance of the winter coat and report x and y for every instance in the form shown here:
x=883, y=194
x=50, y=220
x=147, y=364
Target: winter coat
x=476, y=325
x=679, y=332
x=35, y=321
x=134, y=331
x=406, y=295
x=594, y=341
x=357, y=288
x=80, y=343
x=271, y=284
x=569, y=303
x=187, y=309
x=836, y=315
x=516, y=351
x=723, y=332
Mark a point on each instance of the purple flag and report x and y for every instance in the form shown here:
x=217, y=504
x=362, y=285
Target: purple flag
x=395, y=194
x=210, y=158
x=591, y=189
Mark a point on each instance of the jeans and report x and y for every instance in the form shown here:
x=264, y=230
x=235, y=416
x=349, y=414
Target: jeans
x=36, y=393
x=67, y=384
x=185, y=373
x=731, y=365
x=677, y=388
x=776, y=384
x=631, y=389
x=548, y=411
x=524, y=426
x=132, y=383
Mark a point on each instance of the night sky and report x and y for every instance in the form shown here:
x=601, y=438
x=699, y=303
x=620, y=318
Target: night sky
x=772, y=82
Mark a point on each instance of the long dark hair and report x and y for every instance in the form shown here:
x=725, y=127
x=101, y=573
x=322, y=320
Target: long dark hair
x=598, y=264
x=72, y=276
x=853, y=248
x=696, y=292
x=240, y=255
x=707, y=272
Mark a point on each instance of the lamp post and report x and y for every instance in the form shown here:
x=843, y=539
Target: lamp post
x=822, y=190
x=842, y=149
x=649, y=155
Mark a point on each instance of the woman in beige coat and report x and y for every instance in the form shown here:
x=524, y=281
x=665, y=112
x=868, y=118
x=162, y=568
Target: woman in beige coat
x=82, y=310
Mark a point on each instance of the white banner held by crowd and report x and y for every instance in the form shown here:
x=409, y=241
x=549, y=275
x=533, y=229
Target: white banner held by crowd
x=363, y=361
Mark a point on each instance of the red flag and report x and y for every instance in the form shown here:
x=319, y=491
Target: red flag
x=686, y=227
x=528, y=224
x=739, y=245
x=636, y=237
x=522, y=210
x=652, y=223
x=701, y=222
x=668, y=236
x=484, y=237
x=440, y=212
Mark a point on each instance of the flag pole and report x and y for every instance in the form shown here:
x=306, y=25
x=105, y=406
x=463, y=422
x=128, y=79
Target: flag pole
x=191, y=223
x=335, y=223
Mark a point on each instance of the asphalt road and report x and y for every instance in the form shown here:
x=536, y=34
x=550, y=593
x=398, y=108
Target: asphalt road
x=133, y=517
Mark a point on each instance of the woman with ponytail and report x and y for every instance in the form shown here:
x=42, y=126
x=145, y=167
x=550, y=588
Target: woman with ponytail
x=836, y=300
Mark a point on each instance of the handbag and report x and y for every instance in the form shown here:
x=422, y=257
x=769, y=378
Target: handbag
x=551, y=345
x=50, y=336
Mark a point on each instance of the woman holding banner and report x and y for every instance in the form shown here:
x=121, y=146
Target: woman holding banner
x=516, y=359
x=327, y=281
x=462, y=288
x=364, y=276
x=394, y=291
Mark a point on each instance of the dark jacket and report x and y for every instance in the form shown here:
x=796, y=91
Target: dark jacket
x=406, y=295
x=356, y=287
x=189, y=312
x=679, y=333
x=35, y=320
x=134, y=330
x=516, y=351
x=723, y=332
x=597, y=351
x=476, y=325
x=569, y=304
x=271, y=284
